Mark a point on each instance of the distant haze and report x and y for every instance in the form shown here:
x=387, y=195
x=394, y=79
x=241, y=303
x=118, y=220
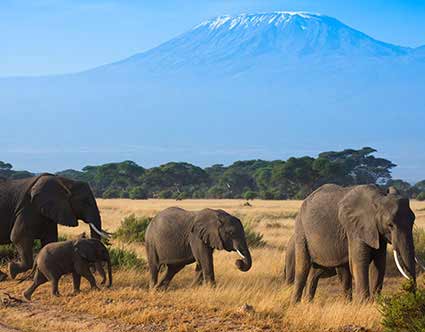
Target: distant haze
x=252, y=86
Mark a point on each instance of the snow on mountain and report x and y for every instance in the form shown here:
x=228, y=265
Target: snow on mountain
x=281, y=37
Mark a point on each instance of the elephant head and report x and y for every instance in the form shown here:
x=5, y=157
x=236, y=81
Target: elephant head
x=369, y=215
x=94, y=251
x=220, y=230
x=65, y=202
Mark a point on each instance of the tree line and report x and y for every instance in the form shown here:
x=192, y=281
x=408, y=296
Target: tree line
x=293, y=178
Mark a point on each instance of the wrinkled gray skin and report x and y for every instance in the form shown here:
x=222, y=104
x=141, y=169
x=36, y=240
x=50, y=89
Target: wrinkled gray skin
x=337, y=226
x=59, y=258
x=176, y=238
x=32, y=208
x=316, y=272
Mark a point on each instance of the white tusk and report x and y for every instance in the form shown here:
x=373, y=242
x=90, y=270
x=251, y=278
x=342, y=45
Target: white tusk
x=419, y=263
x=98, y=232
x=399, y=266
x=240, y=254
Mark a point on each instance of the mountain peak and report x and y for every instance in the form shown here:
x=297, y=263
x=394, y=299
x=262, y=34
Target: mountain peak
x=276, y=18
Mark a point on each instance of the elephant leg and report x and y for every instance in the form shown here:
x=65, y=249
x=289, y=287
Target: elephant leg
x=99, y=269
x=90, y=278
x=172, y=270
x=39, y=279
x=55, y=286
x=204, y=258
x=198, y=276
x=377, y=271
x=302, y=269
x=153, y=266
x=345, y=278
x=76, y=281
x=360, y=260
x=24, y=249
x=312, y=282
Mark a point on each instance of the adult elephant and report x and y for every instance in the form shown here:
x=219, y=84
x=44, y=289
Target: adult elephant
x=176, y=238
x=32, y=208
x=337, y=226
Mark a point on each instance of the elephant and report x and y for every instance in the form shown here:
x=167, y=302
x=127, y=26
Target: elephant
x=176, y=237
x=32, y=208
x=59, y=258
x=351, y=226
x=316, y=272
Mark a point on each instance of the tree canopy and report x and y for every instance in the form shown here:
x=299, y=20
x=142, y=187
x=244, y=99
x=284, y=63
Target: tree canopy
x=293, y=178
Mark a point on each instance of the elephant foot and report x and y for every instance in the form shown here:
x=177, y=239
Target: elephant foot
x=76, y=292
x=3, y=276
x=13, y=270
x=27, y=295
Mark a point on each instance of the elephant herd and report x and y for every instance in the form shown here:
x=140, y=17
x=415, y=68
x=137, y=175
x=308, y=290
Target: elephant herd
x=341, y=231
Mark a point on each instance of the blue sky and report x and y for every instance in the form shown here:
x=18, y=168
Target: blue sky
x=58, y=36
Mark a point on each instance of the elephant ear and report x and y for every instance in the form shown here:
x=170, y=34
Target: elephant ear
x=357, y=213
x=51, y=196
x=86, y=249
x=206, y=227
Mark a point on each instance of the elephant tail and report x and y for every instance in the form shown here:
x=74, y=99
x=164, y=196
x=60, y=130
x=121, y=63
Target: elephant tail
x=30, y=274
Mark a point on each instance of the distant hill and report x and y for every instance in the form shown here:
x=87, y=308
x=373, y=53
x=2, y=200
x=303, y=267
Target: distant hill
x=235, y=87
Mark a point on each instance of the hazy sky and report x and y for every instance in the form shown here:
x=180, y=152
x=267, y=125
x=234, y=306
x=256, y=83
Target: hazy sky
x=57, y=36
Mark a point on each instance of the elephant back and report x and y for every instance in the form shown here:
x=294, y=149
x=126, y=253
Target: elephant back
x=168, y=234
x=318, y=220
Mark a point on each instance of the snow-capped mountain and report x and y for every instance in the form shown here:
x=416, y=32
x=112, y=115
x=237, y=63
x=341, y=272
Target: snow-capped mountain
x=234, y=87
x=249, y=39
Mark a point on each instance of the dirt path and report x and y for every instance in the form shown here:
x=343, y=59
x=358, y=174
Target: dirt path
x=19, y=316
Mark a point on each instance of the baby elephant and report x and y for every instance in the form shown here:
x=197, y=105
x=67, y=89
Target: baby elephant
x=59, y=258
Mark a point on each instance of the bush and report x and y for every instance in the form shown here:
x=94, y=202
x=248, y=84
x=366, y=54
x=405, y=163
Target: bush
x=421, y=196
x=403, y=311
x=249, y=195
x=132, y=229
x=419, y=241
x=138, y=193
x=111, y=193
x=253, y=238
x=126, y=259
x=165, y=194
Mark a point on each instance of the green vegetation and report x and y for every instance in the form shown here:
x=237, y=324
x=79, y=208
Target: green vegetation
x=404, y=311
x=132, y=229
x=253, y=238
x=124, y=258
x=294, y=178
x=421, y=196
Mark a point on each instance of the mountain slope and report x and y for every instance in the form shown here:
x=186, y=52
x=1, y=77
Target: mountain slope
x=249, y=86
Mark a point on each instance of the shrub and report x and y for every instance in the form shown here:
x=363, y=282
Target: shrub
x=132, y=229
x=138, y=193
x=403, y=311
x=127, y=259
x=165, y=194
x=419, y=241
x=421, y=196
x=249, y=195
x=253, y=238
x=111, y=193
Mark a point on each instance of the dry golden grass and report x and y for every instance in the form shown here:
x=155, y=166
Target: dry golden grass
x=130, y=306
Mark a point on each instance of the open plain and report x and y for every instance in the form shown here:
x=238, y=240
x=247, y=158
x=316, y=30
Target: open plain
x=253, y=301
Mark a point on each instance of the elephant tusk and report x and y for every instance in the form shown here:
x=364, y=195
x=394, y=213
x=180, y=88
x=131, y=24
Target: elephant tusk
x=102, y=234
x=399, y=265
x=419, y=263
x=240, y=254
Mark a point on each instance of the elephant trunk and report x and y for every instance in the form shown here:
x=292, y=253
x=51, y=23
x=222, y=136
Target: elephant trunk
x=404, y=255
x=96, y=231
x=245, y=263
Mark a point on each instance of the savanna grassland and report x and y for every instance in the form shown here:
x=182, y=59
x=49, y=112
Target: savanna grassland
x=130, y=306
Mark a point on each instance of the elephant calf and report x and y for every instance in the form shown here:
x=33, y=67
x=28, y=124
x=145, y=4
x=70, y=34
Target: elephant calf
x=59, y=258
x=176, y=238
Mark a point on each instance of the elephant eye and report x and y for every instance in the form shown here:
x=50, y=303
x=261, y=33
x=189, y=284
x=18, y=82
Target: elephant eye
x=391, y=226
